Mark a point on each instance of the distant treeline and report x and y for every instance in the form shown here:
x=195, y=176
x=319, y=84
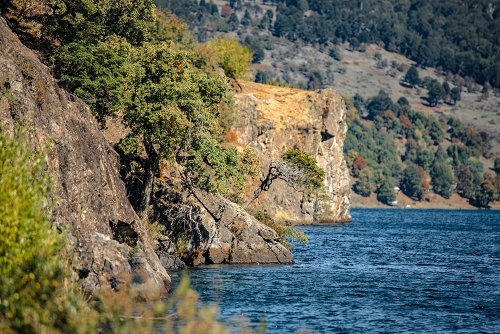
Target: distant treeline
x=459, y=36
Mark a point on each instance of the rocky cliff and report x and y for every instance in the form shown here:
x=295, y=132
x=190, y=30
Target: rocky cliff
x=273, y=119
x=109, y=238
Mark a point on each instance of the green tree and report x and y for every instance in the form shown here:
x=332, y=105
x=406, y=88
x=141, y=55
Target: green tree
x=377, y=105
x=485, y=194
x=412, y=77
x=385, y=193
x=436, y=93
x=455, y=95
x=365, y=184
x=497, y=166
x=477, y=168
x=465, y=181
x=411, y=182
x=234, y=58
x=172, y=109
x=442, y=179
x=298, y=169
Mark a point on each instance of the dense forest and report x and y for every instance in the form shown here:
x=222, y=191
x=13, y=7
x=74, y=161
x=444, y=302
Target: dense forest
x=461, y=37
x=440, y=156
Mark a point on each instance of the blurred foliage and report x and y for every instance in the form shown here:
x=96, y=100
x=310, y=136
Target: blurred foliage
x=234, y=58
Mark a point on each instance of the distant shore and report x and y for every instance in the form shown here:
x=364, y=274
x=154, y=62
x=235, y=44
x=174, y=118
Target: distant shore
x=455, y=202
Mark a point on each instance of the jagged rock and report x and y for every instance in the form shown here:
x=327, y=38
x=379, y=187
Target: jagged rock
x=273, y=119
x=217, y=230
x=91, y=199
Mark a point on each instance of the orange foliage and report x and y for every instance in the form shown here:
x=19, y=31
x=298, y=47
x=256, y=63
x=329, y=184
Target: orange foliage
x=225, y=11
x=405, y=122
x=389, y=114
x=231, y=136
x=455, y=140
x=358, y=164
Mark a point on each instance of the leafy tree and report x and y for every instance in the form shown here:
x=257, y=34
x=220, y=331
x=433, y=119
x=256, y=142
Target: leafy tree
x=365, y=184
x=440, y=155
x=465, y=181
x=497, y=166
x=411, y=182
x=298, y=169
x=442, y=179
x=358, y=164
x=485, y=194
x=172, y=109
x=446, y=88
x=455, y=95
x=412, y=77
x=385, y=193
x=425, y=157
x=234, y=58
x=436, y=93
x=377, y=105
x=477, y=168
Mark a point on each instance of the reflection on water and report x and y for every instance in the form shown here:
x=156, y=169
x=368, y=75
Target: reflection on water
x=387, y=271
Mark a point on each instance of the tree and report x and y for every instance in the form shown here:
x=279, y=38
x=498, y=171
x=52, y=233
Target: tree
x=436, y=93
x=455, y=95
x=497, y=166
x=465, y=181
x=442, y=179
x=411, y=182
x=385, y=193
x=377, y=105
x=358, y=164
x=486, y=193
x=365, y=184
x=298, y=169
x=234, y=58
x=477, y=168
x=172, y=109
x=412, y=77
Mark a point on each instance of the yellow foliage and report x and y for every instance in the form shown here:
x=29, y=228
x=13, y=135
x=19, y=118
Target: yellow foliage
x=234, y=58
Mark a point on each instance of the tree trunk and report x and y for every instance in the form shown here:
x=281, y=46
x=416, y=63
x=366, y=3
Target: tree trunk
x=149, y=178
x=264, y=186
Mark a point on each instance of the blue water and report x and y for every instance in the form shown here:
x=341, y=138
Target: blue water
x=387, y=271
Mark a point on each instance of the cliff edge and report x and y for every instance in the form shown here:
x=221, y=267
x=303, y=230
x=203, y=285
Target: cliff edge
x=273, y=119
x=108, y=237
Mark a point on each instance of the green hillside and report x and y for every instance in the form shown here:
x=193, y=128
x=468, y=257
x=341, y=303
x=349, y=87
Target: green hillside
x=389, y=143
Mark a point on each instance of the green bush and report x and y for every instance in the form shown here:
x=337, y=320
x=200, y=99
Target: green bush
x=33, y=297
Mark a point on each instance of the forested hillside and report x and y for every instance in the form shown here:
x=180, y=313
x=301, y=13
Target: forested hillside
x=389, y=143
x=457, y=36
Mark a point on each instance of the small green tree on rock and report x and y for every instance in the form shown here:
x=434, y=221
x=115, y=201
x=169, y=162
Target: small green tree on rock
x=298, y=169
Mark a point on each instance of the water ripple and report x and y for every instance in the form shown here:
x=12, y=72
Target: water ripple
x=402, y=271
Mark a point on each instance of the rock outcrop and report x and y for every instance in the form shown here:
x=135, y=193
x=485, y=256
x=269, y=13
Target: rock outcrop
x=213, y=230
x=273, y=119
x=109, y=238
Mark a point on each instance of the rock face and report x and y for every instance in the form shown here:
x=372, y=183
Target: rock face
x=216, y=230
x=273, y=119
x=91, y=197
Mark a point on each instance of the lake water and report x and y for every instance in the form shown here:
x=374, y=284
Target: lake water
x=387, y=271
